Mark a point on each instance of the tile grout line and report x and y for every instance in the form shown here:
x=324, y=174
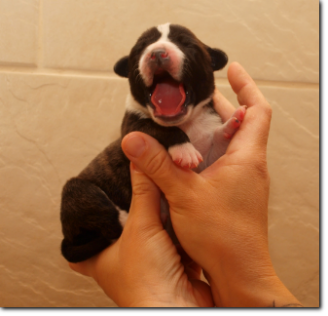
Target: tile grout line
x=30, y=70
x=278, y=84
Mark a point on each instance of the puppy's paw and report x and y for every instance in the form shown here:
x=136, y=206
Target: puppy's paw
x=185, y=155
x=229, y=128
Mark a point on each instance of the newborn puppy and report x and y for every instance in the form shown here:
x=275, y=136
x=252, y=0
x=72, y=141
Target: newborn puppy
x=171, y=79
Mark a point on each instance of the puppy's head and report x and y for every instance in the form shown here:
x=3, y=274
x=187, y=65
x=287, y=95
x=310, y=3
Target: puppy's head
x=170, y=72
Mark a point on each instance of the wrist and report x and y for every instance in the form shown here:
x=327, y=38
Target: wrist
x=160, y=303
x=264, y=290
x=163, y=299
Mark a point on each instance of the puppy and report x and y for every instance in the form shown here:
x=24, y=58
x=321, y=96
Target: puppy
x=171, y=79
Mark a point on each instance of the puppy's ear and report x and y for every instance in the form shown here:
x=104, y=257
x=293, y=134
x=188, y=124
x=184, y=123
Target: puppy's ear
x=219, y=58
x=121, y=68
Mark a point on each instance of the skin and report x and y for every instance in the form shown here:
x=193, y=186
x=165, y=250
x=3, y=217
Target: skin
x=220, y=217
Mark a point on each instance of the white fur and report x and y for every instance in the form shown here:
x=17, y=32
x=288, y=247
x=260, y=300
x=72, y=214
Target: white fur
x=185, y=155
x=200, y=129
x=165, y=30
x=122, y=216
x=165, y=43
x=133, y=106
x=199, y=123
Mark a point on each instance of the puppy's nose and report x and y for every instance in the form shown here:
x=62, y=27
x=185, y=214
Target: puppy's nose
x=159, y=56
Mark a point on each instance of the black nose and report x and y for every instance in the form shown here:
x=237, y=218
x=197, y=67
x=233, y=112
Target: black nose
x=159, y=56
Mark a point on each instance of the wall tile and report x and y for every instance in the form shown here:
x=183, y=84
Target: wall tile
x=293, y=155
x=52, y=126
x=283, y=36
x=19, y=32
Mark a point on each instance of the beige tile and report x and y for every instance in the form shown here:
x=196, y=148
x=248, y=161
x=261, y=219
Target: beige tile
x=19, y=32
x=275, y=40
x=52, y=126
x=293, y=155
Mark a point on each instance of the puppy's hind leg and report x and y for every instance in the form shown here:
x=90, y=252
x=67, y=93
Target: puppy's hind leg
x=224, y=133
x=228, y=129
x=90, y=220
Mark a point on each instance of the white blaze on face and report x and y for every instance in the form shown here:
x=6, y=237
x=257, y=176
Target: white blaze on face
x=174, y=67
x=165, y=30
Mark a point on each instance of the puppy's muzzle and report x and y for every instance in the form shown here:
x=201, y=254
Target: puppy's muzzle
x=159, y=61
x=159, y=57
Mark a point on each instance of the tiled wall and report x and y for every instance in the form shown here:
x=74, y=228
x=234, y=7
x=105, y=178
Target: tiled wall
x=61, y=103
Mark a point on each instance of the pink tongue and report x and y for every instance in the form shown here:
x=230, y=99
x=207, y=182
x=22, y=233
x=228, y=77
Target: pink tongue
x=168, y=97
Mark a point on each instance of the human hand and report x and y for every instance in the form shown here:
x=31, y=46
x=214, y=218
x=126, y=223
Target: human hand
x=143, y=267
x=220, y=215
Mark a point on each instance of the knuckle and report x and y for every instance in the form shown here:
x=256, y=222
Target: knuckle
x=261, y=168
x=267, y=109
x=141, y=188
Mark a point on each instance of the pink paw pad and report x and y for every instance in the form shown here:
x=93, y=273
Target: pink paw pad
x=234, y=122
x=185, y=155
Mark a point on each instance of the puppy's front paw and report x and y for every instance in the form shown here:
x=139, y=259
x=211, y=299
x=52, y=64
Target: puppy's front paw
x=185, y=155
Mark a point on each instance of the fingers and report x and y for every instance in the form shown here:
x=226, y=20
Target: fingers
x=145, y=204
x=222, y=106
x=255, y=128
x=151, y=158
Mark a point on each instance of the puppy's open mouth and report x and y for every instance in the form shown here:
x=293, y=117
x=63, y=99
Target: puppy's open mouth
x=168, y=97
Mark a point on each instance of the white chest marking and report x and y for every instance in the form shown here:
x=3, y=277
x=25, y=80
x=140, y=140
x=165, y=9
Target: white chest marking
x=200, y=130
x=135, y=107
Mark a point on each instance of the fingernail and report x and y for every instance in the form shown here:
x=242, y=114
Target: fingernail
x=134, y=146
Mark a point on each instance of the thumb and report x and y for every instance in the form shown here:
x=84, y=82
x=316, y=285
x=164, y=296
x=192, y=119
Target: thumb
x=151, y=158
